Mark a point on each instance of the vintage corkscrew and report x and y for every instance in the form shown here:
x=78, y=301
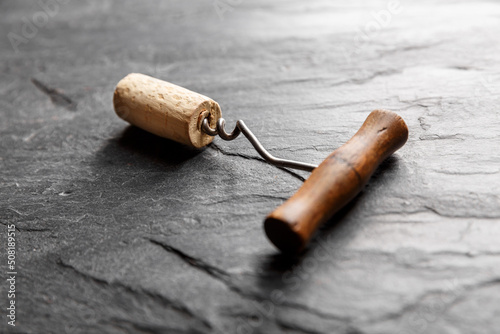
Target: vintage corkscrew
x=176, y=113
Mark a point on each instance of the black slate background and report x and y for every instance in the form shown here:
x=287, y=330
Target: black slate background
x=119, y=231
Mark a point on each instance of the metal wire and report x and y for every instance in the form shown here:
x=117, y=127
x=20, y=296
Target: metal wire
x=242, y=128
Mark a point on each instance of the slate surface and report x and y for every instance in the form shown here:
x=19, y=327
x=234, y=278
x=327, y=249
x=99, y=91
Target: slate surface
x=119, y=231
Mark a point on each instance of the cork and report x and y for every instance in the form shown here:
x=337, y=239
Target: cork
x=165, y=109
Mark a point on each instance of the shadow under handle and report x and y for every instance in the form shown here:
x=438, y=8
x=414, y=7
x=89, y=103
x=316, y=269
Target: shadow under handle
x=336, y=181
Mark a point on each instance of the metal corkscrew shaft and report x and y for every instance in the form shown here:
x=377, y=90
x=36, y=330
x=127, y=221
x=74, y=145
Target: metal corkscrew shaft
x=242, y=128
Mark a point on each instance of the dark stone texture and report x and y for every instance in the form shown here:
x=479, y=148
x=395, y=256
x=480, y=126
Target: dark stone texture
x=123, y=232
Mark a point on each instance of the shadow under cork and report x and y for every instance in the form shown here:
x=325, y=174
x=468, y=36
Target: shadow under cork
x=141, y=149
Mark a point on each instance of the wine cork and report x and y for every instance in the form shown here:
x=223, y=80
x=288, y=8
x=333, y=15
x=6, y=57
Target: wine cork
x=165, y=109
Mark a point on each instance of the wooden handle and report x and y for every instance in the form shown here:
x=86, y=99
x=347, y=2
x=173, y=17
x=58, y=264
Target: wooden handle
x=337, y=180
x=165, y=109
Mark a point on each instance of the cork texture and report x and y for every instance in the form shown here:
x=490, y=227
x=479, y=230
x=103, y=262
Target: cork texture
x=165, y=109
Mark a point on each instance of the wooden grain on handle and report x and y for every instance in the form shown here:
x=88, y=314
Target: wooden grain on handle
x=337, y=180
